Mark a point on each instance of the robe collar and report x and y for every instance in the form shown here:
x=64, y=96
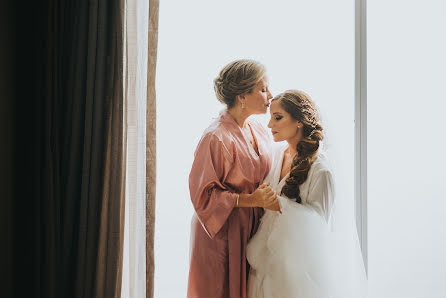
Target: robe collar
x=226, y=118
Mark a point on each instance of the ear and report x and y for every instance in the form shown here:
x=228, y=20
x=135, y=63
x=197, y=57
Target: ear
x=241, y=96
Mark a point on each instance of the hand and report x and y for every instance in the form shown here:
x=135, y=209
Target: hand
x=263, y=196
x=274, y=205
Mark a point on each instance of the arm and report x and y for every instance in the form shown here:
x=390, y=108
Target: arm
x=212, y=200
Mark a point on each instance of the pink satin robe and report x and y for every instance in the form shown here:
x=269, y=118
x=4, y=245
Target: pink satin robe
x=225, y=165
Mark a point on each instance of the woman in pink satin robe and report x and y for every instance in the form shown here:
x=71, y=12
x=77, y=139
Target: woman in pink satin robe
x=231, y=161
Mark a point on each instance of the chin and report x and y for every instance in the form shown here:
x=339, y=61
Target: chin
x=262, y=111
x=276, y=139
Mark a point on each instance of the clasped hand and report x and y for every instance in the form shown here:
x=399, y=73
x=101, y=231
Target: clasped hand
x=265, y=197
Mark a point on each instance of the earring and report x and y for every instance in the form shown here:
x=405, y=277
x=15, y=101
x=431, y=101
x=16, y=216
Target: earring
x=243, y=104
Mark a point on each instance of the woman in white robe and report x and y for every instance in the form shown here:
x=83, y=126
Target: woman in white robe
x=306, y=250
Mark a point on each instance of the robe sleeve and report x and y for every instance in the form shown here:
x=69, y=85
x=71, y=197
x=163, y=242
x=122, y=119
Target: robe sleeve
x=212, y=199
x=321, y=194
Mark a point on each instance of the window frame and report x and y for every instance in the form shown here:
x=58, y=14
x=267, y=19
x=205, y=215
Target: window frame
x=361, y=125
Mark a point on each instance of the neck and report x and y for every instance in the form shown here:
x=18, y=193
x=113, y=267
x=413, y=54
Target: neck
x=238, y=115
x=292, y=146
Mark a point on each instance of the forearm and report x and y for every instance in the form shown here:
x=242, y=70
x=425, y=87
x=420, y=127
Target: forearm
x=246, y=200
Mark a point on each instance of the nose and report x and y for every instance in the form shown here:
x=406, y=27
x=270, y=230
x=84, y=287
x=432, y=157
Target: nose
x=270, y=96
x=270, y=125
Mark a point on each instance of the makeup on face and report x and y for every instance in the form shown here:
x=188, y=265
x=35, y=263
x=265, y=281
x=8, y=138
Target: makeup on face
x=283, y=126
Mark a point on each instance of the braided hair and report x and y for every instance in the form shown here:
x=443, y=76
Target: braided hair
x=301, y=108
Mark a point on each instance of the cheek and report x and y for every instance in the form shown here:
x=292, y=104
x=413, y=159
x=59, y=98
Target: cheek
x=287, y=130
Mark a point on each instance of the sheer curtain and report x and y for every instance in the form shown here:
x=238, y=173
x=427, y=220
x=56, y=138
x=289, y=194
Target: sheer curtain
x=140, y=57
x=134, y=270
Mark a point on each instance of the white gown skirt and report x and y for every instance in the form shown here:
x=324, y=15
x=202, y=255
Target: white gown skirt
x=297, y=254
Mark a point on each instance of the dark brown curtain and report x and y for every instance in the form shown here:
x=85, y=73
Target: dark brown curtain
x=69, y=182
x=7, y=146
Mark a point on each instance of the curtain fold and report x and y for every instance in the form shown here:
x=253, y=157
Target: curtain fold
x=74, y=73
x=151, y=146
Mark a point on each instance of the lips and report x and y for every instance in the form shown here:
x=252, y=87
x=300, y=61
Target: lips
x=273, y=132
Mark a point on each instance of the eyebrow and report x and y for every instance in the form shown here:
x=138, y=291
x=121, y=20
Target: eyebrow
x=278, y=113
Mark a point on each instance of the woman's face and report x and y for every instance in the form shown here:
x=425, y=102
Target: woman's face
x=257, y=102
x=283, y=126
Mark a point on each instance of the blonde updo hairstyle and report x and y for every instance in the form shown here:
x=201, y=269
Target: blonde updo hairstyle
x=236, y=78
x=301, y=108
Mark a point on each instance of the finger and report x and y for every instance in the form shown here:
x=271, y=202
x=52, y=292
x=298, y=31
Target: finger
x=271, y=199
x=271, y=190
x=275, y=206
x=267, y=199
x=268, y=192
x=269, y=205
x=264, y=185
x=272, y=207
x=268, y=187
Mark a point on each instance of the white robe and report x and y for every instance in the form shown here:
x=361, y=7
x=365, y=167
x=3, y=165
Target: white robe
x=296, y=253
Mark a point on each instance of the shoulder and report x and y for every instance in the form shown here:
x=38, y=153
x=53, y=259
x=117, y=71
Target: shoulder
x=321, y=162
x=217, y=135
x=321, y=166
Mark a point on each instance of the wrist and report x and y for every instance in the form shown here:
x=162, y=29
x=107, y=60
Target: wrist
x=244, y=200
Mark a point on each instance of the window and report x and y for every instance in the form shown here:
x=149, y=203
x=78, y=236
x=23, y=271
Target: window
x=304, y=45
x=406, y=160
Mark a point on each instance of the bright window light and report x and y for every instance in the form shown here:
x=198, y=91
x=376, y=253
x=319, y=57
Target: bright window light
x=406, y=107
x=306, y=45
